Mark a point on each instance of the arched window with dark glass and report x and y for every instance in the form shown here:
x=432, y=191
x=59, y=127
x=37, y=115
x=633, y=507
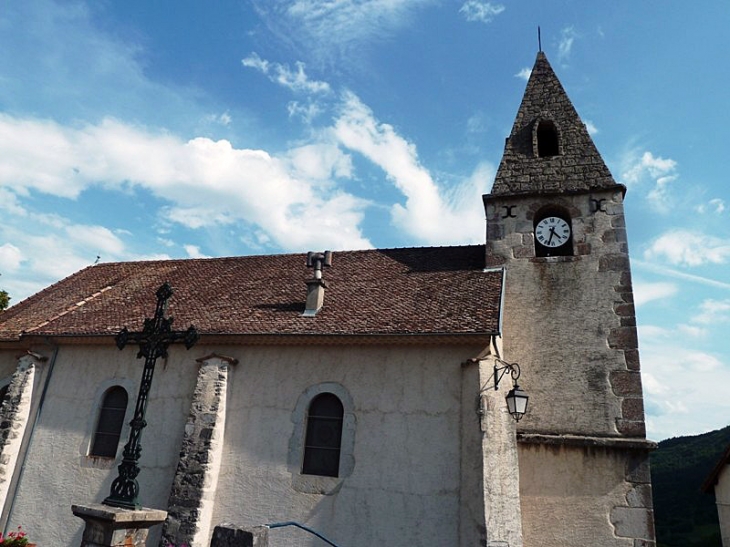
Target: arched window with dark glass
x=110, y=422
x=323, y=440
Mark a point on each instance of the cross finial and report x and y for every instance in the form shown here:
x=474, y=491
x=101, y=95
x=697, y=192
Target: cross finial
x=539, y=40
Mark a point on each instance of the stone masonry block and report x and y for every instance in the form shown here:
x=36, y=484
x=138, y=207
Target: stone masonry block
x=623, y=338
x=618, y=221
x=523, y=252
x=628, y=321
x=637, y=469
x=495, y=231
x=613, y=263
x=583, y=249
x=626, y=383
x=228, y=535
x=624, y=309
x=633, y=522
x=629, y=428
x=640, y=496
x=493, y=261
x=632, y=409
x=631, y=357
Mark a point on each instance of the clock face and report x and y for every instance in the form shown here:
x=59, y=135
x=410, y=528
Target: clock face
x=552, y=232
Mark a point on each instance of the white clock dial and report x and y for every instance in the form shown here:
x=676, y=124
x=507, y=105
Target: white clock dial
x=552, y=232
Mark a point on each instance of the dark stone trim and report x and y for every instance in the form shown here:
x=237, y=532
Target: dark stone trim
x=586, y=441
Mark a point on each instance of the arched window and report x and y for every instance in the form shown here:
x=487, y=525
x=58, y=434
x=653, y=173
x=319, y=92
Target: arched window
x=548, y=142
x=323, y=440
x=110, y=422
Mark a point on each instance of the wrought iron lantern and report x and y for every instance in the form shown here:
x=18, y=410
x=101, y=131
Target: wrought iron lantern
x=516, y=398
x=517, y=402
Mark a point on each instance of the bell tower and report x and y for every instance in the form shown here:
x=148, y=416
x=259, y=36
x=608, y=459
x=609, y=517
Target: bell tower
x=555, y=222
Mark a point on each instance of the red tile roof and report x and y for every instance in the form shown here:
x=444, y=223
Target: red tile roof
x=415, y=291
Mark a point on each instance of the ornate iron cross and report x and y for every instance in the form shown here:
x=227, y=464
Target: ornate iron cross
x=155, y=338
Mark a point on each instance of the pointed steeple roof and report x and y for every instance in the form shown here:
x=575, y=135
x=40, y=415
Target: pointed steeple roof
x=566, y=160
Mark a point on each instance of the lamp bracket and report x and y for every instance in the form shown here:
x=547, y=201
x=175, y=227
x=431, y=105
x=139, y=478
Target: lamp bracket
x=501, y=368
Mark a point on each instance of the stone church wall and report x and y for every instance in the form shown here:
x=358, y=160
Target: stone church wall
x=405, y=417
x=405, y=464
x=58, y=472
x=575, y=496
x=569, y=320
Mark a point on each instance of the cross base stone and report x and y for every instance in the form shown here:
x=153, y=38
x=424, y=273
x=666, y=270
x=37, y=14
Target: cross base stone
x=116, y=527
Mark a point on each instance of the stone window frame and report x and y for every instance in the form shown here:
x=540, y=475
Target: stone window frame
x=315, y=484
x=551, y=125
x=103, y=462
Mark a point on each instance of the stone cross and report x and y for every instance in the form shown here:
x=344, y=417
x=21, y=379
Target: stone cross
x=155, y=338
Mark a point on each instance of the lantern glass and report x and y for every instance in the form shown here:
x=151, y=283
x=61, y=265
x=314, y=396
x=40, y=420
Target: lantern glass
x=517, y=402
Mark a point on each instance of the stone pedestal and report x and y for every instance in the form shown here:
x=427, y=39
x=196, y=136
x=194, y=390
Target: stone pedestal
x=116, y=527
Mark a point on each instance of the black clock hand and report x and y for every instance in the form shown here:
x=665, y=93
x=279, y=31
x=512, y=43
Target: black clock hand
x=552, y=233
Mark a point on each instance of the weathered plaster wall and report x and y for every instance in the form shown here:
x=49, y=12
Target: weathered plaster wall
x=722, y=498
x=570, y=321
x=578, y=496
x=8, y=364
x=404, y=486
x=58, y=471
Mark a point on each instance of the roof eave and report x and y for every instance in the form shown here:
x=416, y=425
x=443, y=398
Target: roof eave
x=279, y=339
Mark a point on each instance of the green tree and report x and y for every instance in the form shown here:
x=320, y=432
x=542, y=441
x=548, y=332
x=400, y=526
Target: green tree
x=4, y=300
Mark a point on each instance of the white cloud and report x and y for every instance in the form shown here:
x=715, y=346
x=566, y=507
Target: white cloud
x=428, y=213
x=333, y=27
x=715, y=205
x=307, y=112
x=294, y=79
x=692, y=331
x=234, y=184
x=636, y=169
x=320, y=162
x=659, y=197
x=669, y=272
x=95, y=240
x=193, y=251
x=662, y=171
x=477, y=123
x=223, y=119
x=524, y=74
x=567, y=38
x=646, y=292
x=10, y=257
x=591, y=127
x=683, y=247
x=713, y=312
x=478, y=10
x=676, y=379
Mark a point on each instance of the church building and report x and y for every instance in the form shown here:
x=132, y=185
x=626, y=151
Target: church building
x=362, y=394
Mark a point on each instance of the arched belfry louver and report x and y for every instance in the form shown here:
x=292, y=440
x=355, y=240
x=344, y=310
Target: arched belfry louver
x=547, y=139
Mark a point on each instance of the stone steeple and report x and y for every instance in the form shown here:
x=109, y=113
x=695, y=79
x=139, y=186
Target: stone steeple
x=549, y=149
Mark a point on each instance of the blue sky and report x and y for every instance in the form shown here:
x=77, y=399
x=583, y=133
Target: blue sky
x=150, y=129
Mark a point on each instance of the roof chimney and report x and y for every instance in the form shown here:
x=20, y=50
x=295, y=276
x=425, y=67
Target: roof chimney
x=316, y=286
